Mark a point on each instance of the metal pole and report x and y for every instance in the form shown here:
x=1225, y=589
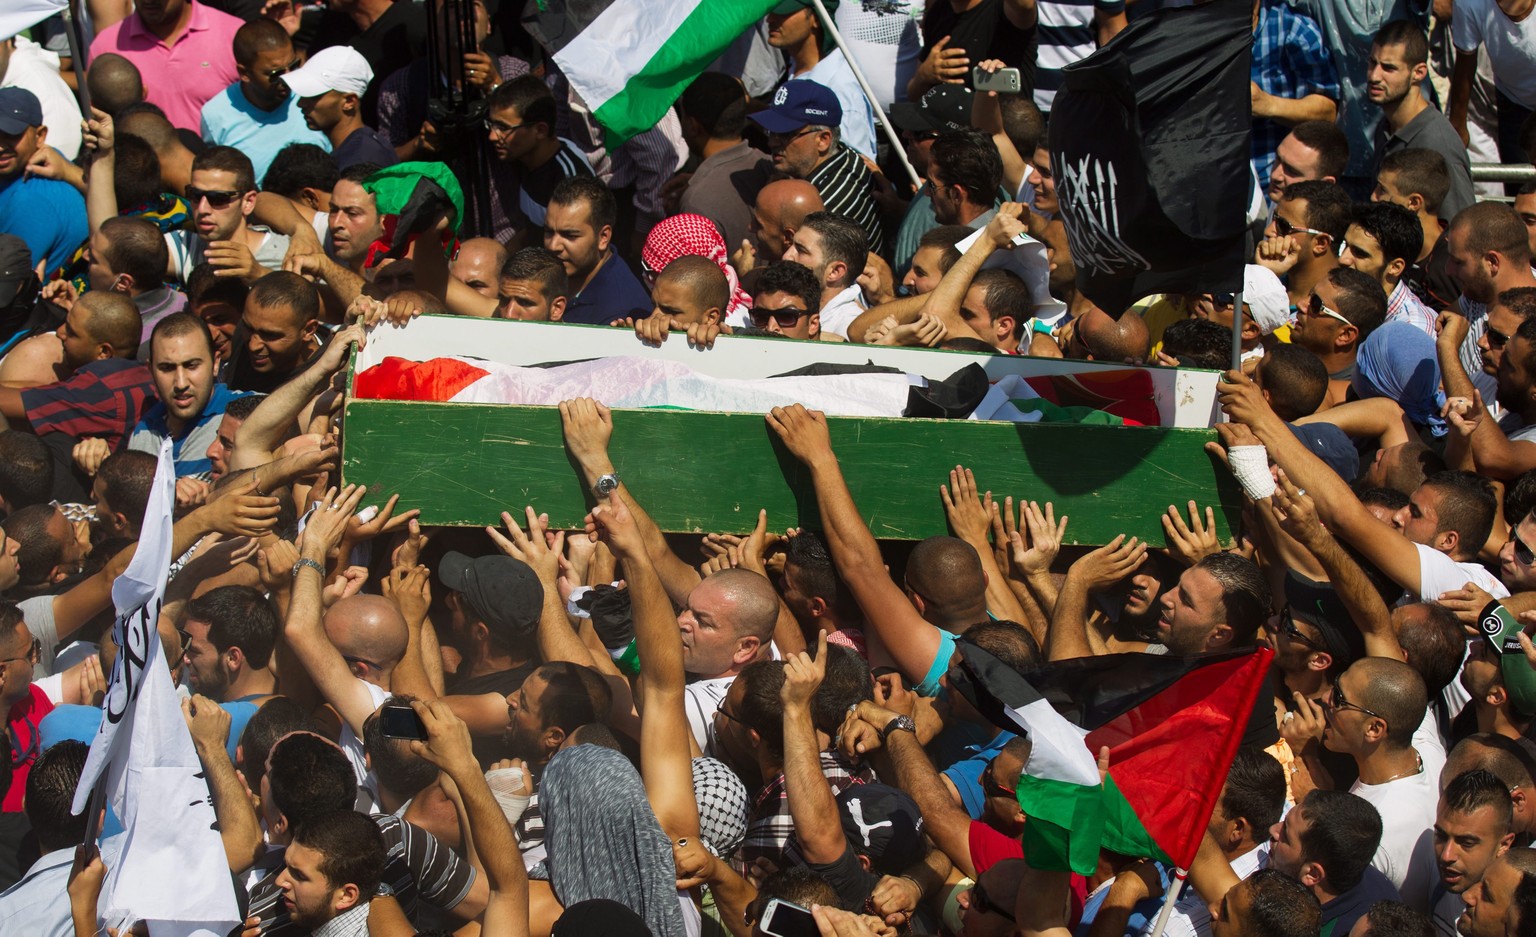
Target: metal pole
x=858, y=73
x=1237, y=330
x=1179, y=875
x=77, y=52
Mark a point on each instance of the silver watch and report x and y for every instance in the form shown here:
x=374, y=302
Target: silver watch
x=605, y=486
x=899, y=724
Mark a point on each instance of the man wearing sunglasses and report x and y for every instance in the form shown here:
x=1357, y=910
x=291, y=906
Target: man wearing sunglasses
x=1489, y=252
x=788, y=302
x=257, y=115
x=1301, y=242
x=1371, y=714
x=1340, y=310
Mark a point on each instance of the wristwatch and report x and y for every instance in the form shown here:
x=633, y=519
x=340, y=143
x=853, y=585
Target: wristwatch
x=899, y=724
x=605, y=485
x=306, y=561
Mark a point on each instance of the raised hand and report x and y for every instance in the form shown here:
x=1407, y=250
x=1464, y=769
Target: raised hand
x=541, y=553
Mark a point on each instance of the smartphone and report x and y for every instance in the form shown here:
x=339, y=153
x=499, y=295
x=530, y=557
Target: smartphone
x=783, y=919
x=1003, y=81
x=401, y=722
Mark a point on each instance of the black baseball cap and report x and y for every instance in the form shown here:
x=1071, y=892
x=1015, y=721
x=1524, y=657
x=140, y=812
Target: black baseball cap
x=883, y=823
x=943, y=108
x=504, y=593
x=1319, y=605
x=15, y=267
x=19, y=110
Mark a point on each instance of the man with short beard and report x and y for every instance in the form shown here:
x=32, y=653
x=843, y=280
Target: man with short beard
x=192, y=402
x=1489, y=252
x=331, y=871
x=1399, y=61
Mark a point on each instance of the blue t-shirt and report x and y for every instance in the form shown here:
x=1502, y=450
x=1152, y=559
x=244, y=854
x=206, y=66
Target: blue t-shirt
x=229, y=119
x=46, y=213
x=614, y=293
x=966, y=773
x=70, y=721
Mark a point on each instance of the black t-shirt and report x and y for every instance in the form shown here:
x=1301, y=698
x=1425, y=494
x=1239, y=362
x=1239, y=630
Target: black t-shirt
x=1430, y=281
x=848, y=878
x=394, y=39
x=984, y=32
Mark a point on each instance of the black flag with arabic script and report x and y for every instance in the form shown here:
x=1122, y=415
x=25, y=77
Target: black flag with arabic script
x=1149, y=141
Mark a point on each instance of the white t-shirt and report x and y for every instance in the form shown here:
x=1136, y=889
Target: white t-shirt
x=1439, y=574
x=1511, y=46
x=839, y=312
x=38, y=612
x=701, y=698
x=367, y=785
x=1407, y=807
x=885, y=41
x=1430, y=746
x=187, y=249
x=37, y=70
x=1191, y=915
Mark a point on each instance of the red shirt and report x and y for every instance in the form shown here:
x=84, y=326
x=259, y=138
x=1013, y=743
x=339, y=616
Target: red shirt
x=21, y=725
x=989, y=847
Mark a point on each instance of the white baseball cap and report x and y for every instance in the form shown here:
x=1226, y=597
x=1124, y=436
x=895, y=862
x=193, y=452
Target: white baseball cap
x=1266, y=298
x=338, y=68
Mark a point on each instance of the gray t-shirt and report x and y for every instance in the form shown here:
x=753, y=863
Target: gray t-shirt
x=38, y=611
x=187, y=248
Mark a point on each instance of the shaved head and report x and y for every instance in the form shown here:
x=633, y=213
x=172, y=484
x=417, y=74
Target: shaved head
x=1110, y=339
x=790, y=200
x=368, y=628
x=946, y=575
x=755, y=606
x=114, y=82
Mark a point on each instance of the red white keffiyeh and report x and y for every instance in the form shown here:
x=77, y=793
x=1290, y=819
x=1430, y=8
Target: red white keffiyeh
x=693, y=235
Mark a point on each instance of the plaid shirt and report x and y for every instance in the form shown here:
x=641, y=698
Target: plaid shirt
x=1402, y=304
x=771, y=829
x=1289, y=61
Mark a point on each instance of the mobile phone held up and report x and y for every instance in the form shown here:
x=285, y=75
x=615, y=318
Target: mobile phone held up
x=1003, y=81
x=783, y=919
x=401, y=722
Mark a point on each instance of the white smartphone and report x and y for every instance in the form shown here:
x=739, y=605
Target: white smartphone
x=783, y=919
x=1003, y=81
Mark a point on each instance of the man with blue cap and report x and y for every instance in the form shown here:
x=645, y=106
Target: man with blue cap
x=805, y=143
x=46, y=213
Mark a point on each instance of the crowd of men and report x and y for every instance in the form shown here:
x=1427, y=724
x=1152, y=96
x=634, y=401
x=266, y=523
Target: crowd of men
x=617, y=730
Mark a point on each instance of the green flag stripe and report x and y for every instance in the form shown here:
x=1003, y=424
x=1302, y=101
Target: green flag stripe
x=651, y=86
x=1068, y=821
x=1123, y=831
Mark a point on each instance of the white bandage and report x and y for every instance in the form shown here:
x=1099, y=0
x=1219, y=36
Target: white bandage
x=1250, y=464
x=504, y=782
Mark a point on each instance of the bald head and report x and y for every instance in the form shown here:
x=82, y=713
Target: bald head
x=478, y=264
x=1110, y=339
x=1502, y=757
x=114, y=83
x=946, y=574
x=368, y=628
x=780, y=210
x=791, y=200
x=753, y=603
x=112, y=319
x=1394, y=691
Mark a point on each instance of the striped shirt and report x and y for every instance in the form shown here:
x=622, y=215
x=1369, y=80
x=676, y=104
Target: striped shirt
x=539, y=184
x=1067, y=33
x=1402, y=304
x=844, y=183
x=103, y=398
x=418, y=866
x=189, y=448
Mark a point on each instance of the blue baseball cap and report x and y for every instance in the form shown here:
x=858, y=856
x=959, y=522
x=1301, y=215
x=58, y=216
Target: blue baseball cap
x=18, y=111
x=798, y=104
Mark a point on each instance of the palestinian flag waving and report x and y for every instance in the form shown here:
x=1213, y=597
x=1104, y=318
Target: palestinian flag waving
x=630, y=59
x=1172, y=726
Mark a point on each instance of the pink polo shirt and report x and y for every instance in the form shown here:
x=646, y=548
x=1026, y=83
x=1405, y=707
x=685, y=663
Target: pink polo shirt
x=178, y=79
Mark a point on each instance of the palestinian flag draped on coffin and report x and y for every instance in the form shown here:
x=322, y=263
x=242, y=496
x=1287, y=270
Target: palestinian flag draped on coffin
x=630, y=59
x=1172, y=726
x=1149, y=141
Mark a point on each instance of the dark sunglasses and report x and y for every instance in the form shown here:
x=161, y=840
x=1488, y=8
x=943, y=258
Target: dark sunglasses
x=1336, y=700
x=283, y=70
x=1496, y=339
x=985, y=905
x=217, y=198
x=785, y=317
x=1289, y=629
x=994, y=788
x=1285, y=229
x=1523, y=554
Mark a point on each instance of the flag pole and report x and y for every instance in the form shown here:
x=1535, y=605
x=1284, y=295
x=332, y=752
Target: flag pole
x=77, y=51
x=1237, y=330
x=1179, y=875
x=869, y=95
